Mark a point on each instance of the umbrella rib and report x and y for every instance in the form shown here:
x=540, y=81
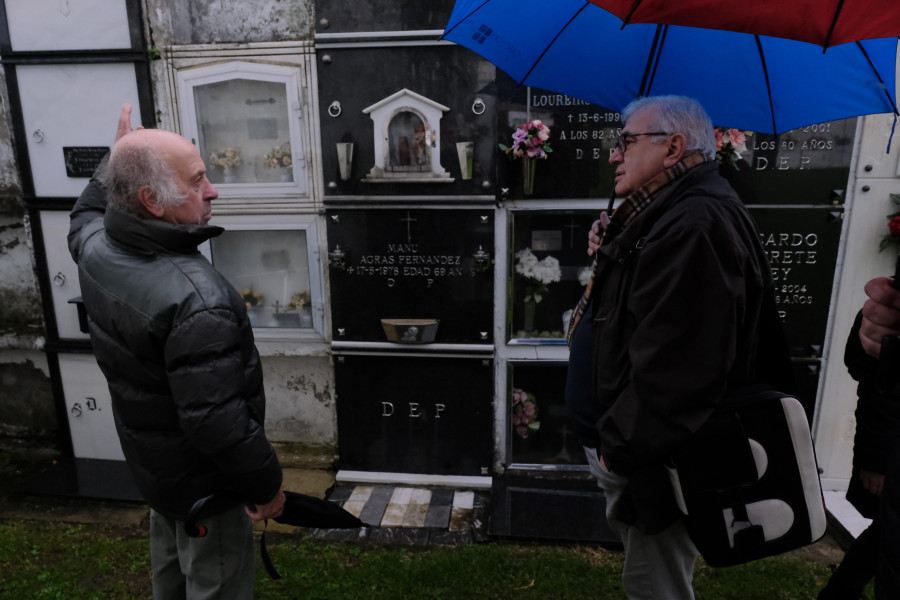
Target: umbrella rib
x=837, y=14
x=762, y=60
x=631, y=13
x=472, y=12
x=659, y=38
x=553, y=41
x=878, y=75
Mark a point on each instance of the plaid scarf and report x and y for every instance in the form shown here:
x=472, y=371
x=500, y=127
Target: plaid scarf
x=625, y=213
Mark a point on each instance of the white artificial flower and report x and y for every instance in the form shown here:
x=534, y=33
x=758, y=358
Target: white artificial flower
x=584, y=276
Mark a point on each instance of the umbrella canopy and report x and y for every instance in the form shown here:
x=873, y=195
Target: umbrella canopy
x=744, y=81
x=822, y=22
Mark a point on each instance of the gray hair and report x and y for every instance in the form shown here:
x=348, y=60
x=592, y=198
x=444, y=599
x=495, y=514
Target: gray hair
x=133, y=166
x=679, y=114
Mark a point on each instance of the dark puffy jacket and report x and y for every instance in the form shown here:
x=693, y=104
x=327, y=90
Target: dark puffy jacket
x=173, y=339
x=877, y=422
x=676, y=323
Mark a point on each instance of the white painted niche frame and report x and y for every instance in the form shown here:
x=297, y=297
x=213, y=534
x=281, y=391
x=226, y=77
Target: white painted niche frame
x=188, y=79
x=384, y=113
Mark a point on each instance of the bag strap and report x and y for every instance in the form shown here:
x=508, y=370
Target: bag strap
x=264, y=554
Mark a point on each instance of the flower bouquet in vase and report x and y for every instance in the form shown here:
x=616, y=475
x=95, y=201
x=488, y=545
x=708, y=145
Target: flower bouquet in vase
x=226, y=160
x=893, y=236
x=280, y=157
x=729, y=145
x=538, y=275
x=524, y=413
x=530, y=141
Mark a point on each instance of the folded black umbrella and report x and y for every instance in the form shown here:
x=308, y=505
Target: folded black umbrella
x=300, y=510
x=308, y=511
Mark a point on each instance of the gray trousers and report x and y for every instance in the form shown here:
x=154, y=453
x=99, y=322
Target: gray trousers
x=220, y=565
x=658, y=566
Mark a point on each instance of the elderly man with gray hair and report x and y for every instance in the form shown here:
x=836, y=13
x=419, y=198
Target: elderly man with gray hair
x=670, y=322
x=174, y=342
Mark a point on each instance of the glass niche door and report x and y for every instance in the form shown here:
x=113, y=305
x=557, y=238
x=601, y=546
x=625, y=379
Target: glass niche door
x=548, y=270
x=540, y=430
x=245, y=119
x=273, y=264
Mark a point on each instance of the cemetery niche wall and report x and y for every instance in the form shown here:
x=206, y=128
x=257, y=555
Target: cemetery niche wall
x=418, y=133
x=412, y=315
x=418, y=145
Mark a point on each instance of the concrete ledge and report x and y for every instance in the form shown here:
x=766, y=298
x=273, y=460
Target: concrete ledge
x=844, y=522
x=457, y=481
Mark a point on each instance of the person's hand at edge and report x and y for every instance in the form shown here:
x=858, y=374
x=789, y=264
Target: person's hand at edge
x=123, y=127
x=270, y=510
x=595, y=234
x=873, y=482
x=881, y=314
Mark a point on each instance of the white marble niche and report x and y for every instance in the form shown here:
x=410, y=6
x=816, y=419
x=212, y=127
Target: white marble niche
x=407, y=136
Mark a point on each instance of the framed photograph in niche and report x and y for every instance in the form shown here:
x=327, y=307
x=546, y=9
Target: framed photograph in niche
x=548, y=269
x=245, y=119
x=272, y=262
x=539, y=428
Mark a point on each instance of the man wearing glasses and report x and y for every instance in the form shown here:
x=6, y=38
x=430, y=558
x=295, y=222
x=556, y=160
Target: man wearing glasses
x=670, y=321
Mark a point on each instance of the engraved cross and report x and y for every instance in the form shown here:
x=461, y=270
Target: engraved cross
x=408, y=221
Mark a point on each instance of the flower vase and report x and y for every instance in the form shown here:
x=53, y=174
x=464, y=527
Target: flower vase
x=287, y=174
x=530, y=308
x=528, y=167
x=229, y=177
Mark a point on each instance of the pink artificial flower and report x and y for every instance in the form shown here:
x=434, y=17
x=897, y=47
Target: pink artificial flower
x=737, y=136
x=529, y=409
x=720, y=139
x=894, y=225
x=522, y=430
x=520, y=135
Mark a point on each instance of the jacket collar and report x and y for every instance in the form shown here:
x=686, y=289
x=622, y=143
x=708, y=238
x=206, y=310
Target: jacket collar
x=152, y=236
x=646, y=203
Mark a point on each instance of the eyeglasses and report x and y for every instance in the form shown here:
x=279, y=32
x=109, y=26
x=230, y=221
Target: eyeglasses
x=622, y=142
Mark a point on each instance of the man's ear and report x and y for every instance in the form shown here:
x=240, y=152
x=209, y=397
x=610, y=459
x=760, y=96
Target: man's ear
x=675, y=149
x=148, y=201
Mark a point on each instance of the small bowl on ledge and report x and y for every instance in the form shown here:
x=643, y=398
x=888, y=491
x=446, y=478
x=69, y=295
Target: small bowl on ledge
x=410, y=331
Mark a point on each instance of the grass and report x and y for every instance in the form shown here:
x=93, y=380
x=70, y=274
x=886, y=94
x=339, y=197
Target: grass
x=40, y=559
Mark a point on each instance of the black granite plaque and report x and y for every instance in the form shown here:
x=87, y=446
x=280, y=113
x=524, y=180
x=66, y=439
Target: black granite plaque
x=556, y=509
x=582, y=136
x=415, y=414
x=809, y=165
x=82, y=161
x=801, y=245
x=421, y=264
x=806, y=377
x=354, y=79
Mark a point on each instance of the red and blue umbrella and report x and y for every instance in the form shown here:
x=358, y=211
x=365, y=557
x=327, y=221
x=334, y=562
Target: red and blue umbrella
x=823, y=22
x=745, y=81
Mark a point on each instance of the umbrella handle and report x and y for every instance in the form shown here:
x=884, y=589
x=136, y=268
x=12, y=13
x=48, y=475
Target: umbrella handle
x=888, y=380
x=213, y=503
x=190, y=524
x=896, y=283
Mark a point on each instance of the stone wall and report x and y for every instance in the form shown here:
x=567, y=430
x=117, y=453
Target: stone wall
x=27, y=413
x=299, y=389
